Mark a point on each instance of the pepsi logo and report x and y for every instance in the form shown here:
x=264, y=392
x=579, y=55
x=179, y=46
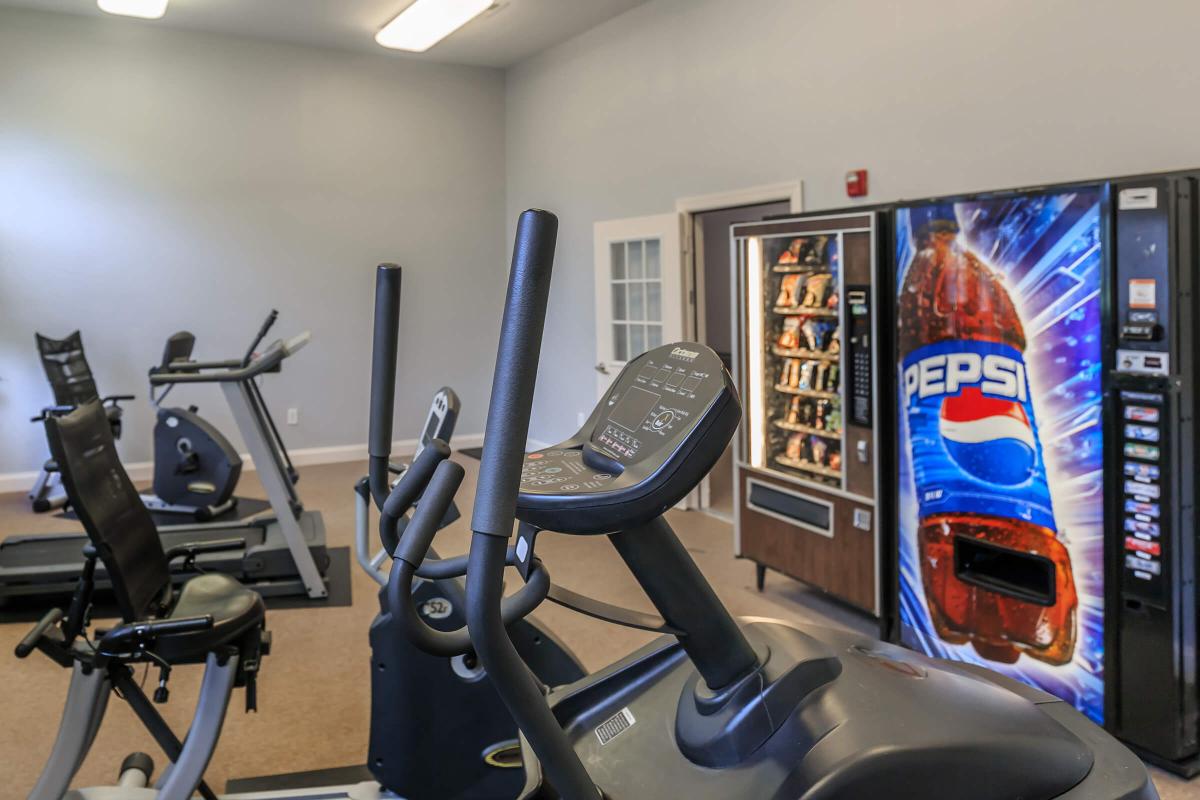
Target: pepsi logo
x=989, y=438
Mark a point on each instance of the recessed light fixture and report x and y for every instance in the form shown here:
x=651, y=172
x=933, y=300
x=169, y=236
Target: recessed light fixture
x=146, y=9
x=426, y=22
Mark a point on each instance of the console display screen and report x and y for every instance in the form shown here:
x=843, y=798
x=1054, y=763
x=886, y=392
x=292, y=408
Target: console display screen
x=633, y=407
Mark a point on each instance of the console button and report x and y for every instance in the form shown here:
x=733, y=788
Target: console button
x=663, y=420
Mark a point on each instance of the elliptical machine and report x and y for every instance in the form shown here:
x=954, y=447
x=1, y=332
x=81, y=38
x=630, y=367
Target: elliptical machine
x=715, y=708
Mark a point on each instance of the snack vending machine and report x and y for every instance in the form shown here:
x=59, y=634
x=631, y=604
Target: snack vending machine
x=804, y=337
x=1044, y=401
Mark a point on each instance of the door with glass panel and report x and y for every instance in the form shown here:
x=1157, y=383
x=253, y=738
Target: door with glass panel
x=639, y=290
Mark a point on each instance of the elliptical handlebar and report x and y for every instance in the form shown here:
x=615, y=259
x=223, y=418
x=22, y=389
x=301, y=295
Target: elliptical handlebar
x=496, y=499
x=383, y=377
x=412, y=559
x=406, y=492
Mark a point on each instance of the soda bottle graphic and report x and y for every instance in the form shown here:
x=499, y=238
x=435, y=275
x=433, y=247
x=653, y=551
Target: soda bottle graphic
x=987, y=537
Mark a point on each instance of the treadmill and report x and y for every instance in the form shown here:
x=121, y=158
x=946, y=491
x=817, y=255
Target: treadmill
x=284, y=551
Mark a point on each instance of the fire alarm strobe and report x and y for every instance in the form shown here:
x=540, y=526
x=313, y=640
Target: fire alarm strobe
x=856, y=183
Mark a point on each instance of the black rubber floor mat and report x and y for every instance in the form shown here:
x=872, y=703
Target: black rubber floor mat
x=31, y=609
x=473, y=452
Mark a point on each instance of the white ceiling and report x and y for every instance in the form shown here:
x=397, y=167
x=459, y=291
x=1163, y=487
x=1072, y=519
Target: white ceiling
x=511, y=31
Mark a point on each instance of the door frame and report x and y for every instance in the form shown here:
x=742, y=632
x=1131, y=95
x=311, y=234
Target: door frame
x=689, y=207
x=693, y=288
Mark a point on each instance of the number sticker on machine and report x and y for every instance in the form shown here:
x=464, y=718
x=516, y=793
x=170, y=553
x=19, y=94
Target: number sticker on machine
x=614, y=726
x=436, y=608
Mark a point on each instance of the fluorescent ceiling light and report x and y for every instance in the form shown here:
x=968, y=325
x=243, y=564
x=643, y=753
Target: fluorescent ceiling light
x=146, y=9
x=426, y=22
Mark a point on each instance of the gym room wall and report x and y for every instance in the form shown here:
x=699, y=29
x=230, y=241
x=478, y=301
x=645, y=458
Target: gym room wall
x=685, y=97
x=153, y=180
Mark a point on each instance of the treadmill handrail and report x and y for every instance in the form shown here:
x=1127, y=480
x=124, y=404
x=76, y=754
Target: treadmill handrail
x=221, y=373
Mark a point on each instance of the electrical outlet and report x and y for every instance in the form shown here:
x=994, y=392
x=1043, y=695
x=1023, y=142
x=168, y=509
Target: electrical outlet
x=293, y=417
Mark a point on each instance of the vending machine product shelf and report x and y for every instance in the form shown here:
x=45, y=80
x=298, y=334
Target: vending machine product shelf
x=804, y=333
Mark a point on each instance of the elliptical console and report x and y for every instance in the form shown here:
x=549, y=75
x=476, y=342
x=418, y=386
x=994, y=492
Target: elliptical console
x=661, y=426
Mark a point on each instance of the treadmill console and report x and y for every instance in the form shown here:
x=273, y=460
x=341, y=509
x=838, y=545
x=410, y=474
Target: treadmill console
x=656, y=433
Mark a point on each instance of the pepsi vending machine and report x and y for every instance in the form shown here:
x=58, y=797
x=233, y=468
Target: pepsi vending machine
x=1044, y=354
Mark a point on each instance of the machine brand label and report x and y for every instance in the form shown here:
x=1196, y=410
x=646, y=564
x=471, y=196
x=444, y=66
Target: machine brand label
x=972, y=432
x=615, y=725
x=687, y=355
x=996, y=374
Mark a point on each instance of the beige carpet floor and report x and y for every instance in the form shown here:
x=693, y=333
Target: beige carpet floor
x=314, y=693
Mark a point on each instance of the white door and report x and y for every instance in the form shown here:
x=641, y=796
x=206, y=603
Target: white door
x=639, y=290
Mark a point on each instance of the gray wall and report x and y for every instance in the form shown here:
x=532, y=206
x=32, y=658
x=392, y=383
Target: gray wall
x=684, y=97
x=153, y=180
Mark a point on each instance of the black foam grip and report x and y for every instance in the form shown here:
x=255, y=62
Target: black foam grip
x=418, y=536
x=383, y=374
x=516, y=373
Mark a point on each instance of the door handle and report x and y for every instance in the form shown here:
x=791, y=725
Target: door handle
x=601, y=367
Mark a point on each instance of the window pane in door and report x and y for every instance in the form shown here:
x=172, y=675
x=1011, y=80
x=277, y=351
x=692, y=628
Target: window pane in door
x=653, y=270
x=633, y=260
x=637, y=301
x=620, y=345
x=637, y=340
x=618, y=301
x=618, y=260
x=653, y=336
x=653, y=301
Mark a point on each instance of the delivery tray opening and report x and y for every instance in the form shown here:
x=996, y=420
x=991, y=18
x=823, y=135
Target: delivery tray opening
x=1024, y=576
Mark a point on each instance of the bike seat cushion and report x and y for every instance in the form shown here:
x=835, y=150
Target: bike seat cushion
x=236, y=612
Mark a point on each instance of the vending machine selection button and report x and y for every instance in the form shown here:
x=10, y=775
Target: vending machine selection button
x=1132, y=561
x=1128, y=396
x=1142, y=433
x=1139, y=489
x=1142, y=546
x=1142, y=413
x=1141, y=471
x=1138, y=450
x=1138, y=507
x=1142, y=526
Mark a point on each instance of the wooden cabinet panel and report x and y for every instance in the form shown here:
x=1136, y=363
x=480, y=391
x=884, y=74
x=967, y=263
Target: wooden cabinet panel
x=842, y=564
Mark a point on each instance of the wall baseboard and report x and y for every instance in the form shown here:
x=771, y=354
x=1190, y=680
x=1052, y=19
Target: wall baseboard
x=140, y=471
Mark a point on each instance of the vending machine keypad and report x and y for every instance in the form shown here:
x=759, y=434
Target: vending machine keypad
x=858, y=314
